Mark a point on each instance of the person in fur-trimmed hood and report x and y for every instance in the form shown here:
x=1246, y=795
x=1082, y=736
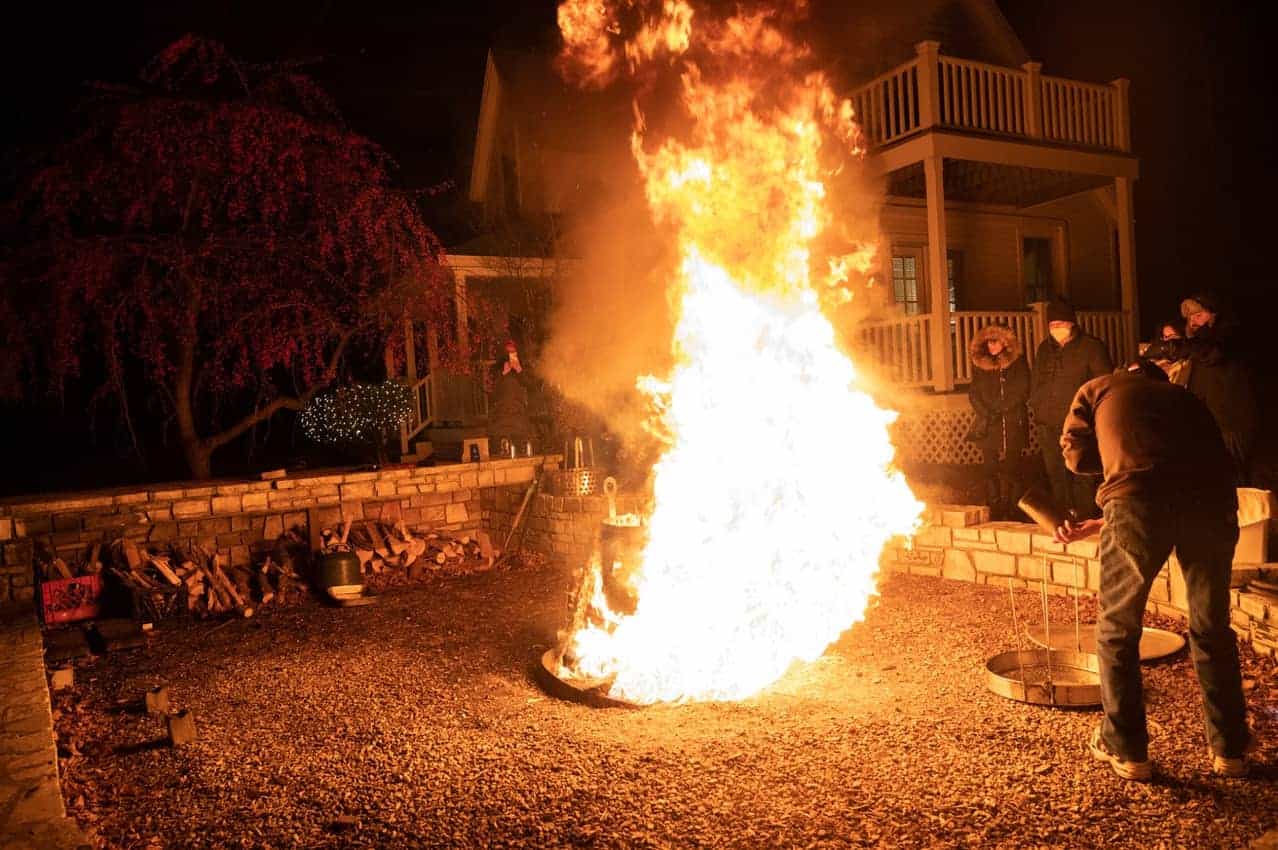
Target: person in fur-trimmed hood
x=998, y=392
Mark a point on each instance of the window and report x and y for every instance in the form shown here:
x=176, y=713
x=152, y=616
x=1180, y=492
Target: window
x=954, y=275
x=905, y=282
x=1036, y=269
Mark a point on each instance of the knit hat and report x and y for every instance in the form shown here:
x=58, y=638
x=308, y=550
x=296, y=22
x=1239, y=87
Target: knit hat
x=1060, y=311
x=1197, y=304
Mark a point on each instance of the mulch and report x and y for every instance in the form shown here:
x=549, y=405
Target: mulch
x=416, y=722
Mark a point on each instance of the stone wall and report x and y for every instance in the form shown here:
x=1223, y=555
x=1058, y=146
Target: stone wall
x=236, y=517
x=958, y=542
x=562, y=527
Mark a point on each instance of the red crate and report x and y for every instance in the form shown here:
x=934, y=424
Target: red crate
x=65, y=600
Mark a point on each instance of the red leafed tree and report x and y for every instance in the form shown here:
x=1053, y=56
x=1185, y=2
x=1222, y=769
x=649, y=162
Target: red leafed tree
x=220, y=240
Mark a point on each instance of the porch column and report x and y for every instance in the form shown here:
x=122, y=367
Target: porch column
x=938, y=279
x=410, y=352
x=1127, y=261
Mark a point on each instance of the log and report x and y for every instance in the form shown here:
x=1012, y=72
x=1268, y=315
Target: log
x=225, y=585
x=60, y=567
x=161, y=566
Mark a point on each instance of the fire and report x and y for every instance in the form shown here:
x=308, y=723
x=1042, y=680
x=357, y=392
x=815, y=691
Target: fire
x=775, y=493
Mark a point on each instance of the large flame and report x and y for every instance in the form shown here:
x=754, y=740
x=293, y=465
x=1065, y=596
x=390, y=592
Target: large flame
x=775, y=494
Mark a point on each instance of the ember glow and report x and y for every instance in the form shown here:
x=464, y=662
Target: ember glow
x=775, y=494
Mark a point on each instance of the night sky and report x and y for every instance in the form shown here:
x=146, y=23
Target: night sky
x=410, y=75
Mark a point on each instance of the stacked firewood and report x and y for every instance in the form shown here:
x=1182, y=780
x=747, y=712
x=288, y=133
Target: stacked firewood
x=386, y=546
x=199, y=582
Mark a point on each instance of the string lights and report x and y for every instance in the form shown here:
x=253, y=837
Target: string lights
x=356, y=413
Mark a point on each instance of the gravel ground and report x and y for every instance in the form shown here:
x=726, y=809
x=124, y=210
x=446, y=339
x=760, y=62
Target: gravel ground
x=416, y=723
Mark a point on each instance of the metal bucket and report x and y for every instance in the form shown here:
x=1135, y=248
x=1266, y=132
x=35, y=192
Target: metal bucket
x=620, y=553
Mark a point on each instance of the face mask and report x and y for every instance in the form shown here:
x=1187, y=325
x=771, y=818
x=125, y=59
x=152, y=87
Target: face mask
x=1061, y=334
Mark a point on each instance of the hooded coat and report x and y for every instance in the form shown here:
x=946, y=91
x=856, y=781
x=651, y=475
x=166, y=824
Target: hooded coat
x=998, y=392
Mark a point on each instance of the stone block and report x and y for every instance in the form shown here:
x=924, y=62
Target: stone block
x=1069, y=573
x=159, y=513
x=181, y=728
x=272, y=527
x=994, y=563
x=191, y=507
x=18, y=552
x=1088, y=547
x=6, y=528
x=1254, y=605
x=1093, y=575
x=1179, y=592
x=240, y=556
x=167, y=495
x=962, y=533
x=925, y=570
x=1029, y=567
x=976, y=545
x=1013, y=542
x=1044, y=543
x=156, y=700
x=361, y=476
x=456, y=513
x=433, y=515
x=258, y=501
x=934, y=535
x=383, y=489
x=1160, y=590
x=62, y=678
x=1240, y=620
x=132, y=498
x=958, y=566
x=22, y=594
x=468, y=479
x=357, y=490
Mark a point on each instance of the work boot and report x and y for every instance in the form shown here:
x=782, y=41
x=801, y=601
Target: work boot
x=1137, y=771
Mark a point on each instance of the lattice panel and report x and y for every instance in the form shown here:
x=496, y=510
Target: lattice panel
x=937, y=436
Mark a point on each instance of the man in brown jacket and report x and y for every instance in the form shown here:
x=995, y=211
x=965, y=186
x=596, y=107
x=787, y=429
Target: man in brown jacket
x=1168, y=484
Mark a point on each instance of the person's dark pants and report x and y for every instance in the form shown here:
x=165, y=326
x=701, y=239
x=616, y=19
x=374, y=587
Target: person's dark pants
x=1135, y=542
x=1069, y=491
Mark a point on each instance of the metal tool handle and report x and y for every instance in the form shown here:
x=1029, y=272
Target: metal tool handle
x=610, y=490
x=576, y=452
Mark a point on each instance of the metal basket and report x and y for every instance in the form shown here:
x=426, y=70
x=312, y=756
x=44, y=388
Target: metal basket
x=576, y=481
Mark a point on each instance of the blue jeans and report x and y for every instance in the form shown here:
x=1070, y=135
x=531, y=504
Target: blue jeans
x=1136, y=540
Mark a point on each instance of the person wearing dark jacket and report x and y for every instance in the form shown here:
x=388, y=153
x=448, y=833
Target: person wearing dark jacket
x=509, y=424
x=997, y=393
x=1065, y=360
x=1218, y=375
x=1167, y=485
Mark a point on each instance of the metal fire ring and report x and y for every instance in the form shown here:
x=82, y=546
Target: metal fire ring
x=1042, y=677
x=591, y=692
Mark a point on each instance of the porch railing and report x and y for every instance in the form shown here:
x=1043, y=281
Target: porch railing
x=934, y=90
x=419, y=417
x=965, y=324
x=900, y=350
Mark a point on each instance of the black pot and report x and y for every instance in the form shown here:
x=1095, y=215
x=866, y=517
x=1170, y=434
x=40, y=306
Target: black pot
x=337, y=569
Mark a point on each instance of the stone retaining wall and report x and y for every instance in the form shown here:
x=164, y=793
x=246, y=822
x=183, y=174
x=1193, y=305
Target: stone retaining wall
x=236, y=517
x=562, y=527
x=959, y=542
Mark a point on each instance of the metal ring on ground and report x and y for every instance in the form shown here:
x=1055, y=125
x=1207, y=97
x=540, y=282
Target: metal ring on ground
x=589, y=692
x=1056, y=678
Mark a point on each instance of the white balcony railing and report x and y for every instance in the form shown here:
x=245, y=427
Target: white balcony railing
x=900, y=350
x=932, y=90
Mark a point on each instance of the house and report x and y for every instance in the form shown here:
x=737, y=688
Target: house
x=1005, y=186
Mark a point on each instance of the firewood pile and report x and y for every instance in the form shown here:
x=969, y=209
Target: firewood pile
x=392, y=548
x=201, y=583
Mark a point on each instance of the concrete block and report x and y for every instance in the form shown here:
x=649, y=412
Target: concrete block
x=958, y=566
x=181, y=728
x=1254, y=605
x=356, y=490
x=933, y=535
x=157, y=700
x=996, y=563
x=1088, y=547
x=1044, y=543
x=255, y=501
x=1013, y=542
x=988, y=534
x=191, y=507
x=62, y=678
x=1029, y=567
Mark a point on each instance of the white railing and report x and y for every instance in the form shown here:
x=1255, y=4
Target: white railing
x=978, y=96
x=933, y=90
x=1079, y=113
x=1113, y=327
x=965, y=324
x=887, y=107
x=419, y=417
x=900, y=349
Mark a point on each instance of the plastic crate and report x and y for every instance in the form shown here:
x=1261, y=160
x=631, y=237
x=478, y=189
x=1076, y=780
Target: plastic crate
x=66, y=600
